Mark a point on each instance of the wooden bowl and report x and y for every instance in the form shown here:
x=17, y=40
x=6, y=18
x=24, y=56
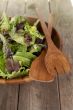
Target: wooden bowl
x=57, y=41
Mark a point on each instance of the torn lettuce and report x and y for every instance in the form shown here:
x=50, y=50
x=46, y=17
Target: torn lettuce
x=22, y=72
x=33, y=32
x=4, y=24
x=19, y=40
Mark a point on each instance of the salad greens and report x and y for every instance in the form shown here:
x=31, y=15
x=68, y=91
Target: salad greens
x=4, y=24
x=19, y=41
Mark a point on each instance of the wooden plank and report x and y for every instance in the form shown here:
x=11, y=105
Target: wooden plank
x=39, y=96
x=8, y=93
x=64, y=24
x=34, y=96
x=3, y=5
x=42, y=5
x=16, y=7
x=8, y=97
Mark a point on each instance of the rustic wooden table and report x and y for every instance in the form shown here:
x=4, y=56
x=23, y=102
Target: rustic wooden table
x=57, y=95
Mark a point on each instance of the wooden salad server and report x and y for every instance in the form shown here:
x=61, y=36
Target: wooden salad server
x=38, y=70
x=55, y=60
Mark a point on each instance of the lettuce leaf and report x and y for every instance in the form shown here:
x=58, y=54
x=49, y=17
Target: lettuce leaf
x=18, y=38
x=5, y=25
x=36, y=48
x=23, y=40
x=17, y=19
x=2, y=62
x=22, y=60
x=2, y=65
x=2, y=74
x=26, y=55
x=20, y=73
x=33, y=32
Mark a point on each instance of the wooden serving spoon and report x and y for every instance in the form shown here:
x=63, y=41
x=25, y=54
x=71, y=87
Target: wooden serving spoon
x=55, y=60
x=38, y=70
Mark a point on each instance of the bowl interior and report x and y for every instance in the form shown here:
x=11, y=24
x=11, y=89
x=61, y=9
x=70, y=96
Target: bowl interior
x=55, y=36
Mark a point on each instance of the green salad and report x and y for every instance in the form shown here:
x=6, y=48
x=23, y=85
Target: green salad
x=20, y=44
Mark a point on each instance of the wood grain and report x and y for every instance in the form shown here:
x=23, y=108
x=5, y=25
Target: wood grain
x=8, y=93
x=8, y=97
x=35, y=95
x=20, y=7
x=15, y=7
x=64, y=24
x=3, y=5
x=43, y=5
x=39, y=96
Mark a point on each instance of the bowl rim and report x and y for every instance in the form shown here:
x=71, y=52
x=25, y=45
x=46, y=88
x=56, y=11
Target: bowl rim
x=27, y=79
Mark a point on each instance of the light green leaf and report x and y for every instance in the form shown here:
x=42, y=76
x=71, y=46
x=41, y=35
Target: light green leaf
x=5, y=25
x=22, y=60
x=21, y=72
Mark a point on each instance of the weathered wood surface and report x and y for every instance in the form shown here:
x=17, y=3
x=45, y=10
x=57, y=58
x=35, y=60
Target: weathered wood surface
x=8, y=97
x=20, y=7
x=63, y=13
x=37, y=96
x=31, y=96
x=8, y=93
x=3, y=6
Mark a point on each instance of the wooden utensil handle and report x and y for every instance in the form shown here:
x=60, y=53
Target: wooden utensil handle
x=50, y=24
x=44, y=27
